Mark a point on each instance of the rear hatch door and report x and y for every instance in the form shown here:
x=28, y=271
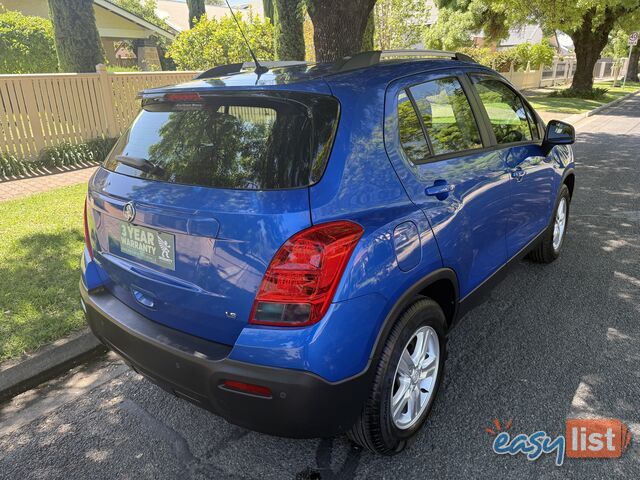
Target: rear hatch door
x=199, y=194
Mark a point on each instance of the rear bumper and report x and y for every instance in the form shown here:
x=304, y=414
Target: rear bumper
x=302, y=404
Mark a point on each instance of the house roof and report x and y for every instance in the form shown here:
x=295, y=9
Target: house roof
x=171, y=33
x=111, y=20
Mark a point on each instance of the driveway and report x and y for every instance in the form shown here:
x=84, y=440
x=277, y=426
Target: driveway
x=552, y=343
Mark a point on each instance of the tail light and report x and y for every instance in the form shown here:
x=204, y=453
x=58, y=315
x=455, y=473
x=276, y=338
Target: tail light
x=247, y=388
x=302, y=278
x=87, y=237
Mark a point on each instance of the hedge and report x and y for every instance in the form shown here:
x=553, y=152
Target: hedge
x=26, y=44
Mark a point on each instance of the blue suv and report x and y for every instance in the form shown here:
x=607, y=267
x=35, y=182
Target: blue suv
x=289, y=248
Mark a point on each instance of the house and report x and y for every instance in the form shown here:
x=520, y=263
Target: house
x=533, y=34
x=176, y=12
x=115, y=25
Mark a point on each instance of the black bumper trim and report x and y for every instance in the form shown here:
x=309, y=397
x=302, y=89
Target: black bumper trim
x=303, y=405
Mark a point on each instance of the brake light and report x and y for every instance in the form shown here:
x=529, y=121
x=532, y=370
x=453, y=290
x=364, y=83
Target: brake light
x=87, y=238
x=183, y=97
x=299, y=284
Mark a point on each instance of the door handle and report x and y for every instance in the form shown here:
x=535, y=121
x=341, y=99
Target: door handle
x=518, y=174
x=440, y=189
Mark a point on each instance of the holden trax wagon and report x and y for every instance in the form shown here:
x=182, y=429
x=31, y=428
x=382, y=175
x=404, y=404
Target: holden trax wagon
x=289, y=248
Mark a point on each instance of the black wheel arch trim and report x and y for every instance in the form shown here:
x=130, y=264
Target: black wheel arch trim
x=407, y=298
x=566, y=174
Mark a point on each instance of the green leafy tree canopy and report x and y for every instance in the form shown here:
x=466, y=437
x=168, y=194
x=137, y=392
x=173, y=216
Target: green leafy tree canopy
x=452, y=31
x=399, y=23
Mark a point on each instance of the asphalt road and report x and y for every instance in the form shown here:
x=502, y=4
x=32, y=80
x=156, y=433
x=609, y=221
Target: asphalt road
x=553, y=342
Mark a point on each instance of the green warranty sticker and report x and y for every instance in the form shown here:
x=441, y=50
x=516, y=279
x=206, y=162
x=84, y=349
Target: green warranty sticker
x=148, y=245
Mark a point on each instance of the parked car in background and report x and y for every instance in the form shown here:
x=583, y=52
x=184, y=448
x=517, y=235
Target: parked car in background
x=289, y=249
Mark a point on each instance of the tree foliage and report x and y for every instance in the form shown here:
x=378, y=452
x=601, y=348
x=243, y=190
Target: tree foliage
x=218, y=42
x=144, y=9
x=289, y=29
x=452, y=31
x=399, y=23
x=77, y=40
x=482, y=15
x=26, y=44
x=617, y=46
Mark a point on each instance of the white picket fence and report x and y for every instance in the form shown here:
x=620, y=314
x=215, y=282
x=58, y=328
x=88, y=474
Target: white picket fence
x=42, y=110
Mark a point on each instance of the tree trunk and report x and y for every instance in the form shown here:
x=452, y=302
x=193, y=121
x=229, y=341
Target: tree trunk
x=78, y=43
x=589, y=41
x=289, y=23
x=196, y=11
x=338, y=27
x=269, y=9
x=632, y=71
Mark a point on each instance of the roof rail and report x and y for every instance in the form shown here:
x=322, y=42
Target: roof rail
x=367, y=59
x=232, y=68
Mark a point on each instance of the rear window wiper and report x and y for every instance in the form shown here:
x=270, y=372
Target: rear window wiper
x=140, y=163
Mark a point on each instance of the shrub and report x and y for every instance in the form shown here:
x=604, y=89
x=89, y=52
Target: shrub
x=116, y=68
x=593, y=94
x=26, y=44
x=537, y=55
x=11, y=165
x=541, y=55
x=218, y=42
x=69, y=154
x=63, y=155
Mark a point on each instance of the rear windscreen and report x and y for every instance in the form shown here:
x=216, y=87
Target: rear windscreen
x=243, y=142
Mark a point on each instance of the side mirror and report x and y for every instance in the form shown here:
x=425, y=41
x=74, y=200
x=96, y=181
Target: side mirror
x=559, y=133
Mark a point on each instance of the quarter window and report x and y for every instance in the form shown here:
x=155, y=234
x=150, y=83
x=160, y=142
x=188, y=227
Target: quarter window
x=412, y=137
x=506, y=111
x=446, y=116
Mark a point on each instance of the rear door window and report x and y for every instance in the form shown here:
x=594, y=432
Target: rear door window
x=510, y=120
x=239, y=142
x=447, y=116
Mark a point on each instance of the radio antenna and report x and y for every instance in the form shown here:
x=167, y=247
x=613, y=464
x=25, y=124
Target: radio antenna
x=259, y=68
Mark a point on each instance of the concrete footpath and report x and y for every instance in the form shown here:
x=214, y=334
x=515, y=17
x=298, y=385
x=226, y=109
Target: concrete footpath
x=23, y=188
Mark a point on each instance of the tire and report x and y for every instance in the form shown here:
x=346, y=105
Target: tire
x=546, y=251
x=376, y=429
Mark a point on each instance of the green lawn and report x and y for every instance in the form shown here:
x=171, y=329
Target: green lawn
x=542, y=102
x=41, y=240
